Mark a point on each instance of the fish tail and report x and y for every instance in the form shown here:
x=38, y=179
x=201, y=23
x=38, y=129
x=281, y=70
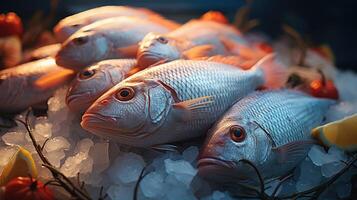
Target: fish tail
x=274, y=73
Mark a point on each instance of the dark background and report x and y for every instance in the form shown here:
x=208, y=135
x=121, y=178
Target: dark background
x=320, y=21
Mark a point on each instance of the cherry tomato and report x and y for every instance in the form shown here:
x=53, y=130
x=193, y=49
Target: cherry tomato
x=10, y=24
x=327, y=89
x=26, y=188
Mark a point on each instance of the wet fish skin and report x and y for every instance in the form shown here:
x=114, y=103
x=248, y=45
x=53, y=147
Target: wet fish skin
x=277, y=137
x=171, y=46
x=105, y=39
x=172, y=102
x=69, y=25
x=18, y=85
x=93, y=81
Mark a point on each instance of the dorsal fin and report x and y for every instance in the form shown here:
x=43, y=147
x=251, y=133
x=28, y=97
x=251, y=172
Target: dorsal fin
x=215, y=16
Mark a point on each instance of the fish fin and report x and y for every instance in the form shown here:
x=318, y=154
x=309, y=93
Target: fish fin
x=215, y=16
x=128, y=51
x=230, y=60
x=165, y=148
x=193, y=108
x=293, y=152
x=133, y=71
x=54, y=78
x=241, y=49
x=274, y=73
x=198, y=51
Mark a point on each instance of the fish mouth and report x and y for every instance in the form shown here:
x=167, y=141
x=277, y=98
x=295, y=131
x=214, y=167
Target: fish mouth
x=147, y=58
x=98, y=124
x=212, y=161
x=103, y=125
x=79, y=96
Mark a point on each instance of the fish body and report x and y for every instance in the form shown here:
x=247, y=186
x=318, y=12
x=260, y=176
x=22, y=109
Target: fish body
x=18, y=85
x=171, y=102
x=93, y=81
x=106, y=39
x=193, y=39
x=69, y=25
x=271, y=129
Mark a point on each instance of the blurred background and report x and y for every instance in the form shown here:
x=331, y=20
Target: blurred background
x=319, y=22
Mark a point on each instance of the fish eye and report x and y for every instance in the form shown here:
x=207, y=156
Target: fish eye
x=87, y=74
x=80, y=40
x=162, y=40
x=75, y=25
x=125, y=94
x=237, y=133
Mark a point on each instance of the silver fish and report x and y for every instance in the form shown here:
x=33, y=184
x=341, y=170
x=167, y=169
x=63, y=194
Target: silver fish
x=20, y=86
x=186, y=42
x=174, y=101
x=271, y=129
x=69, y=25
x=43, y=52
x=105, y=39
x=93, y=81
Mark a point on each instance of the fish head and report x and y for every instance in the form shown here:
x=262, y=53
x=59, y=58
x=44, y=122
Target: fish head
x=157, y=47
x=90, y=84
x=129, y=111
x=82, y=49
x=229, y=144
x=67, y=27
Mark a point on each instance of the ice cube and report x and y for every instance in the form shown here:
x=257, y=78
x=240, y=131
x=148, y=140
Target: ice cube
x=181, y=192
x=152, y=185
x=190, y=154
x=121, y=192
x=56, y=144
x=319, y=156
x=181, y=169
x=41, y=132
x=100, y=156
x=126, y=168
x=84, y=145
x=337, y=153
x=77, y=163
x=55, y=157
x=310, y=176
x=330, y=169
x=14, y=138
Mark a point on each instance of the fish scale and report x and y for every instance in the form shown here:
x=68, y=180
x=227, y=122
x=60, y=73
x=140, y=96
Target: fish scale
x=193, y=79
x=270, y=109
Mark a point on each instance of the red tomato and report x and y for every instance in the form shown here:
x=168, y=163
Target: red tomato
x=324, y=90
x=10, y=24
x=25, y=188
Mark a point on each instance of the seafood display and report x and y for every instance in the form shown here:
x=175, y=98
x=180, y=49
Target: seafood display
x=120, y=103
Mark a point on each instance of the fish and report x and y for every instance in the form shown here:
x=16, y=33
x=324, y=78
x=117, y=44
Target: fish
x=270, y=129
x=20, y=87
x=175, y=101
x=93, y=81
x=105, y=39
x=340, y=133
x=69, y=25
x=185, y=42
